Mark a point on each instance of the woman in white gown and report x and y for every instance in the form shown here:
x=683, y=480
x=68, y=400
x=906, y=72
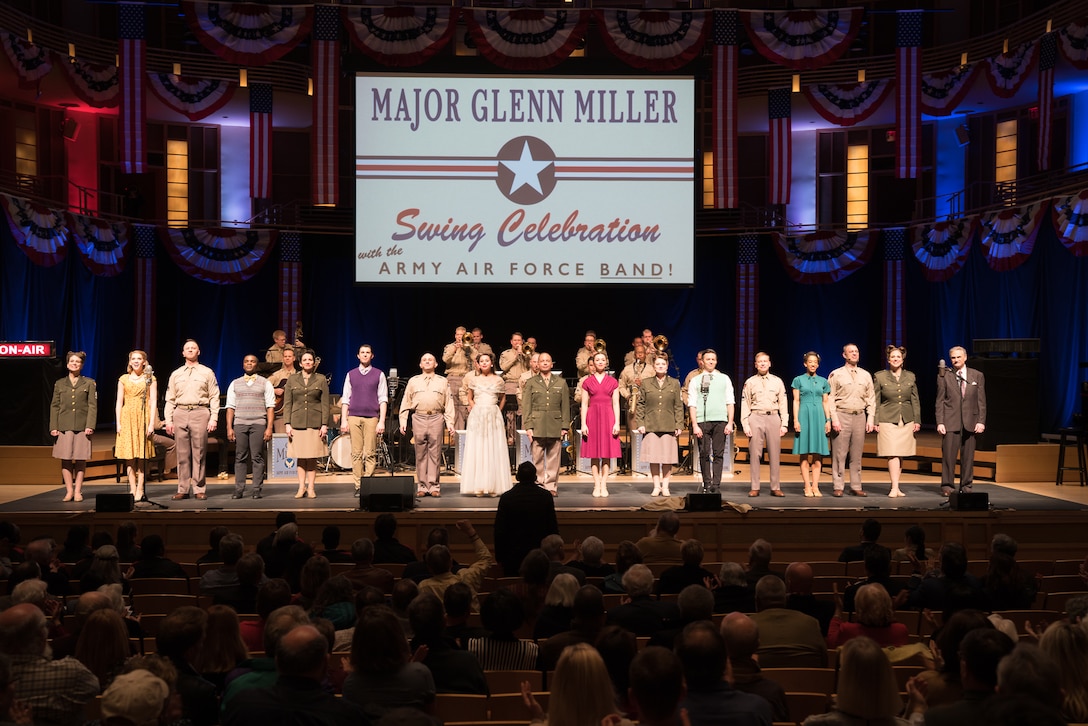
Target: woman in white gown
x=485, y=467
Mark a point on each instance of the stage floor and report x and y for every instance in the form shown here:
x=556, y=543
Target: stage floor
x=626, y=493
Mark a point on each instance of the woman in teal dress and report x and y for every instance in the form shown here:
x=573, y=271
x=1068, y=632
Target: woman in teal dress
x=811, y=421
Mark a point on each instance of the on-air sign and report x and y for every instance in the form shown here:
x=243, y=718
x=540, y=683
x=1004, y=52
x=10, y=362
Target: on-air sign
x=522, y=180
x=28, y=349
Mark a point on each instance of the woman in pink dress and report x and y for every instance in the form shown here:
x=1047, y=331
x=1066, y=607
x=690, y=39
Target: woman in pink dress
x=600, y=421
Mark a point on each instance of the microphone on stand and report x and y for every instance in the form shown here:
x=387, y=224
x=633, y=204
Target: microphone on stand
x=704, y=388
x=942, y=369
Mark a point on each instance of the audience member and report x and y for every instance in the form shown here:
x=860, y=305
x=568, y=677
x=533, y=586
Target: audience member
x=580, y=693
x=587, y=620
x=1005, y=585
x=866, y=693
x=103, y=645
x=955, y=589
x=457, y=601
x=618, y=647
x=695, y=603
x=799, y=584
x=271, y=595
x=979, y=655
x=137, y=698
x=335, y=602
x=710, y=699
x=215, y=536
x=383, y=674
x=627, y=554
x=223, y=649
x=914, y=550
x=554, y=547
x=231, y=549
x=268, y=543
x=87, y=603
x=126, y=541
x=656, y=686
x=261, y=672
x=759, y=562
x=365, y=573
x=874, y=617
x=404, y=592
x=180, y=638
x=153, y=561
x=662, y=546
x=42, y=551
x=733, y=593
x=440, y=564
x=104, y=569
x=75, y=546
x=524, y=517
x=788, y=639
x=589, y=556
x=878, y=571
x=943, y=684
x=1028, y=674
x=330, y=545
x=242, y=597
x=691, y=572
x=641, y=614
x=1066, y=645
x=277, y=557
x=503, y=614
x=454, y=670
x=386, y=546
x=870, y=533
x=555, y=617
x=418, y=570
x=741, y=635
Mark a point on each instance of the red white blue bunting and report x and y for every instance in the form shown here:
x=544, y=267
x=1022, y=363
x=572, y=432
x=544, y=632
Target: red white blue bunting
x=219, y=256
x=943, y=91
x=1006, y=72
x=400, y=36
x=657, y=40
x=803, y=39
x=103, y=246
x=823, y=257
x=1071, y=222
x=1073, y=42
x=849, y=104
x=1008, y=235
x=246, y=33
x=194, y=98
x=942, y=247
x=39, y=231
x=31, y=62
x=96, y=85
x=526, y=39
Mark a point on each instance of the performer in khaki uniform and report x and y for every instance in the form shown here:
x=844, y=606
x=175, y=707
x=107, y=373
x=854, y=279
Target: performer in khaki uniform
x=764, y=418
x=631, y=378
x=513, y=362
x=458, y=358
x=659, y=417
x=279, y=381
x=427, y=397
x=73, y=414
x=853, y=414
x=192, y=411
x=534, y=368
x=585, y=353
x=546, y=404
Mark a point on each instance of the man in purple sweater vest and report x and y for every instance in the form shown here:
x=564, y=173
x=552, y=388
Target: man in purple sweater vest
x=362, y=413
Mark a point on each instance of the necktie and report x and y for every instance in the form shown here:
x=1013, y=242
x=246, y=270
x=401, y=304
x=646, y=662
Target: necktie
x=963, y=385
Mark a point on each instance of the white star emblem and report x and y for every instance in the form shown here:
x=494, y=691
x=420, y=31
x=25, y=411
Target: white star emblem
x=526, y=170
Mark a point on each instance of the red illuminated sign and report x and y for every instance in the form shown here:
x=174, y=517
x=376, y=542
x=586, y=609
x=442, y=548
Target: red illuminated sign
x=28, y=349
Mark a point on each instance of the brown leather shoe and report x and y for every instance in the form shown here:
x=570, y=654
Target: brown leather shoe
x=777, y=493
x=837, y=493
x=201, y=496
x=753, y=493
x=857, y=493
x=179, y=496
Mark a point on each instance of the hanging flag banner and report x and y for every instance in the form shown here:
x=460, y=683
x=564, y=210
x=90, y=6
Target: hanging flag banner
x=248, y=34
x=400, y=35
x=96, y=85
x=220, y=256
x=657, y=40
x=1008, y=236
x=520, y=179
x=803, y=39
x=103, y=246
x=526, y=39
x=194, y=98
x=31, y=62
x=40, y=232
x=1073, y=41
x=942, y=247
x=823, y=257
x=1006, y=72
x=847, y=104
x=943, y=91
x=1071, y=222
x=725, y=60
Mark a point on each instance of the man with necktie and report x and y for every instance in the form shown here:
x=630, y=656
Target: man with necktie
x=961, y=414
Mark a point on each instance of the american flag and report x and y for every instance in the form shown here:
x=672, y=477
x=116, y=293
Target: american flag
x=895, y=246
x=132, y=112
x=725, y=30
x=747, y=300
x=326, y=65
x=260, y=140
x=290, y=279
x=908, y=93
x=781, y=129
x=1048, y=58
x=145, y=236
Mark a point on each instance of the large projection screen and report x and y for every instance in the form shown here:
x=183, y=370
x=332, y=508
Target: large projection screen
x=524, y=180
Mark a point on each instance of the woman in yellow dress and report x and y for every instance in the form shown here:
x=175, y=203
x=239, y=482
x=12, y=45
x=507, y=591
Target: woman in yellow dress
x=137, y=396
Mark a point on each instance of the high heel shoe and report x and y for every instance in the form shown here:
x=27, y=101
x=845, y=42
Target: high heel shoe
x=656, y=492
x=816, y=492
x=310, y=494
x=300, y=494
x=78, y=497
x=67, y=497
x=896, y=493
x=665, y=492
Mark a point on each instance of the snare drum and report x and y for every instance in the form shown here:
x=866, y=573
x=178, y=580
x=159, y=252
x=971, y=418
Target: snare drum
x=340, y=451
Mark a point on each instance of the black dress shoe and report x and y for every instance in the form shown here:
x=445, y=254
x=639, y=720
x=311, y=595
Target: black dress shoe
x=237, y=495
x=256, y=495
x=966, y=489
x=946, y=492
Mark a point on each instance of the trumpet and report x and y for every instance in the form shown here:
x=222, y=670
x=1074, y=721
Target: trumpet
x=600, y=346
x=660, y=343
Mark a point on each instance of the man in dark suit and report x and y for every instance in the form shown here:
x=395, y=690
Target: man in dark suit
x=961, y=414
x=643, y=615
x=524, y=517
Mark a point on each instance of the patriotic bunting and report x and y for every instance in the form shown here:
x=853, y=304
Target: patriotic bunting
x=846, y=105
x=1048, y=58
x=942, y=92
x=1071, y=222
x=942, y=247
x=823, y=257
x=908, y=93
x=525, y=39
x=103, y=246
x=260, y=140
x=31, y=62
x=803, y=39
x=39, y=232
x=326, y=103
x=1074, y=43
x=248, y=34
x=132, y=113
x=1008, y=236
x=194, y=98
x=895, y=244
x=781, y=138
x=96, y=85
x=144, y=236
x=656, y=40
x=747, y=328
x=400, y=36
x=290, y=279
x=219, y=256
x=1006, y=72
x=724, y=83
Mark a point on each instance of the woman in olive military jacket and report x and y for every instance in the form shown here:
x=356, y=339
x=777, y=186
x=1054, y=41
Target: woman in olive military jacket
x=659, y=416
x=73, y=414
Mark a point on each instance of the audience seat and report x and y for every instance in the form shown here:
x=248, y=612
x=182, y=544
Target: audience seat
x=802, y=704
x=801, y=680
x=510, y=681
x=510, y=707
x=159, y=585
x=460, y=707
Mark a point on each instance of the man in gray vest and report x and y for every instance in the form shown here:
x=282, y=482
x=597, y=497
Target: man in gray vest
x=362, y=413
x=251, y=404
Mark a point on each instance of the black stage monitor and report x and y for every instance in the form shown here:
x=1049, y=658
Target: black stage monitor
x=969, y=501
x=387, y=494
x=114, y=502
x=708, y=502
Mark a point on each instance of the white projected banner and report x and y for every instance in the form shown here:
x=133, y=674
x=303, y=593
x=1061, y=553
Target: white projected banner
x=518, y=180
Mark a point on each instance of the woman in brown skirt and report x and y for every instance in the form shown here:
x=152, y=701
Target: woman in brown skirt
x=659, y=417
x=898, y=414
x=72, y=417
x=306, y=416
